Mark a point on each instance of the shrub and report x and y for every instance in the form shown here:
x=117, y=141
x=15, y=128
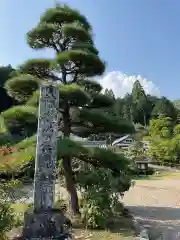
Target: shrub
x=8, y=217
x=100, y=201
x=61, y=204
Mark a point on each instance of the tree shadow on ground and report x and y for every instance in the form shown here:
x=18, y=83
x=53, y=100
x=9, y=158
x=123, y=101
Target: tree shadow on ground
x=119, y=225
x=123, y=225
x=158, y=220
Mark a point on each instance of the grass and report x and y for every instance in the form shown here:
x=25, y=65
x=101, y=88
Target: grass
x=123, y=232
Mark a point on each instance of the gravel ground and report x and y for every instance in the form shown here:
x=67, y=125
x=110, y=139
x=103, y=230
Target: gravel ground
x=155, y=205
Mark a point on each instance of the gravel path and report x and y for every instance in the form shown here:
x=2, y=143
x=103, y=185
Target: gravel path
x=155, y=204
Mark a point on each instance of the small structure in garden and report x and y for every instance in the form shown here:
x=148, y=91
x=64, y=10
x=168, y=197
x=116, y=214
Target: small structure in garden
x=43, y=221
x=143, y=165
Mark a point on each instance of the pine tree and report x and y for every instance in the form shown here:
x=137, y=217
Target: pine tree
x=67, y=32
x=6, y=101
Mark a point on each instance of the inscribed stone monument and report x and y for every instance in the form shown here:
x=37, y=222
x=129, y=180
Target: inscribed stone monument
x=43, y=221
x=46, y=151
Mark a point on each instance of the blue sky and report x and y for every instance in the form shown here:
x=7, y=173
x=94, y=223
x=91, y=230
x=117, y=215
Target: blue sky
x=135, y=37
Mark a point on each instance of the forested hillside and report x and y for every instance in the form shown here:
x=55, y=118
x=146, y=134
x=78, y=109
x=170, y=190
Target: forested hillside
x=141, y=108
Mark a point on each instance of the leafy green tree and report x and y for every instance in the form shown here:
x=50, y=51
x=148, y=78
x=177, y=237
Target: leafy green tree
x=67, y=32
x=161, y=142
x=162, y=127
x=174, y=146
x=136, y=152
x=165, y=108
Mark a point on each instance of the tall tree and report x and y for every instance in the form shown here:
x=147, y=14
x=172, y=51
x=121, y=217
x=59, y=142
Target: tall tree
x=109, y=93
x=67, y=32
x=127, y=109
x=140, y=103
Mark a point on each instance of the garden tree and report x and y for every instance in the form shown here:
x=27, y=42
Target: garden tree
x=21, y=121
x=6, y=101
x=165, y=108
x=67, y=32
x=136, y=152
x=139, y=103
x=110, y=109
x=160, y=151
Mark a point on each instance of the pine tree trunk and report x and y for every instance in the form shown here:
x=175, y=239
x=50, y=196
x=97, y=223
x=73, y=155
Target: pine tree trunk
x=67, y=167
x=70, y=186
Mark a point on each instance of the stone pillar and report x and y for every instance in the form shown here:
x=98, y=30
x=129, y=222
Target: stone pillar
x=43, y=221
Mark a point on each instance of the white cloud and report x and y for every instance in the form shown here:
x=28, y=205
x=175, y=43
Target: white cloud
x=121, y=84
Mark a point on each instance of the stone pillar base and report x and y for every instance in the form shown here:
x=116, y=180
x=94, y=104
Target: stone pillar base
x=46, y=225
